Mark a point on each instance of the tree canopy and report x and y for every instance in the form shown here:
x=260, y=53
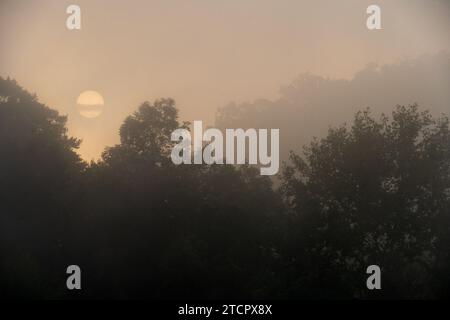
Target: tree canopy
x=375, y=192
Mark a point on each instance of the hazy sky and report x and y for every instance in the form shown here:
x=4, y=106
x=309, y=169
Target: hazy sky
x=202, y=53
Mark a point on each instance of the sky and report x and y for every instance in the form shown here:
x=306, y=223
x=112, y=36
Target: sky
x=202, y=53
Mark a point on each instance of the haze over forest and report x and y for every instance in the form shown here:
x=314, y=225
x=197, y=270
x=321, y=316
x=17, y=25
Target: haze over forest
x=275, y=60
x=372, y=193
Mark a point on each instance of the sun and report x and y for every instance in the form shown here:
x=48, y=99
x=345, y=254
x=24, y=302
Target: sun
x=90, y=104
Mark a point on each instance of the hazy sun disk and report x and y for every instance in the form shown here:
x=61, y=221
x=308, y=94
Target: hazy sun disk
x=90, y=104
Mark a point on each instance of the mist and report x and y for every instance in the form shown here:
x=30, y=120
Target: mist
x=312, y=104
x=205, y=54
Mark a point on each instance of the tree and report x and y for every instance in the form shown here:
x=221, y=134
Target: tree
x=38, y=170
x=183, y=231
x=373, y=194
x=377, y=192
x=147, y=133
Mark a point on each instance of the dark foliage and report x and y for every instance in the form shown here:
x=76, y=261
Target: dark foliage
x=142, y=227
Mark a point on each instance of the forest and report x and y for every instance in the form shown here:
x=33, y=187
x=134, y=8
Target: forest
x=375, y=191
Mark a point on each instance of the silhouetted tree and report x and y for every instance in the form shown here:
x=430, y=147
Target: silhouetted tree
x=141, y=227
x=186, y=231
x=377, y=193
x=38, y=169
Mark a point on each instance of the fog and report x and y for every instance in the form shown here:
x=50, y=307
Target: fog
x=364, y=203
x=311, y=104
x=206, y=54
